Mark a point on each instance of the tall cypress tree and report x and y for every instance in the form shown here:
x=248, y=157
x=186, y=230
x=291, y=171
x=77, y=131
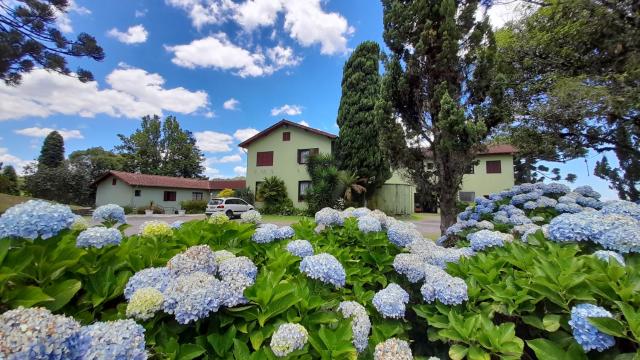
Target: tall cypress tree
x=10, y=174
x=357, y=148
x=444, y=86
x=52, y=152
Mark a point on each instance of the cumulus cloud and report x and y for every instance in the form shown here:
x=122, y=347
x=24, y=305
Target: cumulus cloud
x=63, y=21
x=231, y=104
x=218, y=52
x=255, y=13
x=303, y=123
x=40, y=132
x=205, y=12
x=244, y=134
x=213, y=142
x=134, y=35
x=227, y=159
x=141, y=13
x=240, y=170
x=287, y=109
x=133, y=93
x=8, y=159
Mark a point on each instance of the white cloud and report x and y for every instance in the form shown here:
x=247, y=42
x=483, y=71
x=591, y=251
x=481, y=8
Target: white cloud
x=287, y=109
x=231, y=104
x=504, y=11
x=303, y=123
x=132, y=93
x=218, y=52
x=227, y=159
x=39, y=132
x=134, y=35
x=205, y=12
x=240, y=170
x=9, y=159
x=63, y=21
x=211, y=141
x=244, y=134
x=141, y=13
x=308, y=24
x=255, y=13
x=209, y=170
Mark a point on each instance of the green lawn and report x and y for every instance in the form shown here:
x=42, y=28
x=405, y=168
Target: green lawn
x=282, y=218
x=7, y=201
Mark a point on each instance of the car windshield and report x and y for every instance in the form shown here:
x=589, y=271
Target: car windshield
x=215, y=201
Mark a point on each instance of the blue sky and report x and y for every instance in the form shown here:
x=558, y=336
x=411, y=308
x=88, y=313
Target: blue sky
x=224, y=68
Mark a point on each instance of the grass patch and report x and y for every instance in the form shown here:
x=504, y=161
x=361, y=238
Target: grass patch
x=419, y=217
x=7, y=201
x=282, y=218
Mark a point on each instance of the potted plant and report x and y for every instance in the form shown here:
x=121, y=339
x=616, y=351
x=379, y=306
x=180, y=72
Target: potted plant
x=182, y=212
x=149, y=210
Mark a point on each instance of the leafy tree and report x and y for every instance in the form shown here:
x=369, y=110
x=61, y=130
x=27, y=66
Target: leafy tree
x=527, y=170
x=9, y=173
x=52, y=151
x=29, y=38
x=445, y=88
x=61, y=184
x=96, y=160
x=359, y=129
x=273, y=193
x=159, y=148
x=324, y=190
x=226, y=193
x=573, y=72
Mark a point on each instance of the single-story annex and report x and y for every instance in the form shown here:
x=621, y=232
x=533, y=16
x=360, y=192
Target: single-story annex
x=139, y=190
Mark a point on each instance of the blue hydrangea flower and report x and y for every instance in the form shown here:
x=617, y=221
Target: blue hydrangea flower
x=439, y=285
x=587, y=191
x=240, y=265
x=606, y=255
x=393, y=349
x=391, y=301
x=589, y=202
x=360, y=323
x=300, y=248
x=266, y=233
x=221, y=256
x=284, y=232
x=251, y=217
x=328, y=216
x=528, y=196
x=145, y=303
x=483, y=239
x=157, y=278
x=119, y=340
x=440, y=256
x=192, y=297
x=485, y=224
x=360, y=212
x=324, y=267
x=585, y=334
x=35, y=333
x=35, y=218
x=410, y=265
x=554, y=188
x=401, y=234
x=568, y=208
x=98, y=237
x=288, y=338
x=368, y=224
x=615, y=232
x=232, y=289
x=530, y=205
x=195, y=258
x=622, y=207
x=544, y=201
x=110, y=212
x=177, y=224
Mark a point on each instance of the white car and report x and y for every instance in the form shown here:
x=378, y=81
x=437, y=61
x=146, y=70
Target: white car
x=230, y=206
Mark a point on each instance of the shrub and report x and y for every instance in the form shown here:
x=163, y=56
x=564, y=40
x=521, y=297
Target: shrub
x=156, y=209
x=128, y=210
x=194, y=206
x=246, y=194
x=226, y=193
x=273, y=193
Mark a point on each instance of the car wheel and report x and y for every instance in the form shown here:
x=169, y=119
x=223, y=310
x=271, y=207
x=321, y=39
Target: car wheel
x=229, y=214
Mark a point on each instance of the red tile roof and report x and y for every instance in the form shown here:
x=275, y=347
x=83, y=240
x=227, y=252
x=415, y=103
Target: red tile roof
x=280, y=123
x=173, y=182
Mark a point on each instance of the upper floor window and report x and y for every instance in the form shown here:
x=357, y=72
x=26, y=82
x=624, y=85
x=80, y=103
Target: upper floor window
x=114, y=181
x=286, y=136
x=169, y=196
x=305, y=154
x=494, y=167
x=196, y=196
x=137, y=192
x=467, y=196
x=264, y=158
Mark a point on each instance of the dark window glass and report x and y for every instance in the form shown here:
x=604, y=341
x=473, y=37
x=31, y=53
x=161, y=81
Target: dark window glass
x=169, y=196
x=286, y=136
x=494, y=167
x=470, y=169
x=264, y=158
x=215, y=201
x=303, y=187
x=137, y=192
x=114, y=181
x=467, y=196
x=196, y=196
x=304, y=154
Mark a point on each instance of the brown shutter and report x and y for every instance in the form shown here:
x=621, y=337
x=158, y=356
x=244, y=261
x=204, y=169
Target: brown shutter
x=494, y=167
x=286, y=136
x=264, y=158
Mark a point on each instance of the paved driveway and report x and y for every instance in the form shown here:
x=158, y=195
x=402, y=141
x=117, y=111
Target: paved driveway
x=136, y=220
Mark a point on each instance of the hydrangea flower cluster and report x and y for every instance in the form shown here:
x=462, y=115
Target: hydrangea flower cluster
x=121, y=339
x=284, y=232
x=606, y=255
x=265, y=234
x=360, y=212
x=145, y=303
x=393, y=349
x=177, y=224
x=402, y=234
x=192, y=296
x=391, y=301
x=251, y=217
x=439, y=285
x=324, y=267
x=35, y=218
x=35, y=333
x=219, y=218
x=410, y=265
x=98, y=237
x=328, y=216
x=483, y=239
x=360, y=323
x=368, y=223
x=110, y=213
x=195, y=258
x=157, y=278
x=621, y=207
x=585, y=334
x=288, y=338
x=156, y=228
x=300, y=248
x=79, y=224
x=587, y=191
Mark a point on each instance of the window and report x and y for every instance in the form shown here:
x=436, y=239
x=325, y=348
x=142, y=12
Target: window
x=286, y=136
x=431, y=166
x=304, y=154
x=169, y=196
x=258, y=185
x=114, y=181
x=470, y=169
x=467, y=196
x=494, y=167
x=303, y=187
x=264, y=158
x=196, y=196
x=137, y=192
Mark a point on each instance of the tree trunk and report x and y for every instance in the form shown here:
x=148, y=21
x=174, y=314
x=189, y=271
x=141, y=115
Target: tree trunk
x=448, y=211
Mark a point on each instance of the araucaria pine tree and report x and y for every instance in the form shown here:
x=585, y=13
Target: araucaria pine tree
x=444, y=86
x=357, y=150
x=52, y=152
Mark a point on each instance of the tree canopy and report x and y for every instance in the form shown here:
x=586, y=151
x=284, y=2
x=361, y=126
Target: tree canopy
x=52, y=151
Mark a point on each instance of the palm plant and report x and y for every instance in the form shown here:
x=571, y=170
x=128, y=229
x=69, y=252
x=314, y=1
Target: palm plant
x=350, y=184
